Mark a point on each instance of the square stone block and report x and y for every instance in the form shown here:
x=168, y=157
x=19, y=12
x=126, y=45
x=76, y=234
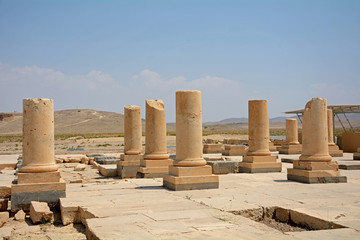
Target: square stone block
x=260, y=159
x=44, y=177
x=191, y=182
x=124, y=157
x=224, y=167
x=306, y=165
x=230, y=152
x=334, y=151
x=127, y=169
x=356, y=156
x=261, y=167
x=190, y=171
x=317, y=176
x=108, y=170
x=23, y=194
x=290, y=149
x=212, y=148
x=155, y=163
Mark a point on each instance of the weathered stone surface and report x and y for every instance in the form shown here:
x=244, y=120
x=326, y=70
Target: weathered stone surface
x=20, y=216
x=40, y=212
x=4, y=218
x=106, y=160
x=315, y=165
x=224, y=167
x=3, y=204
x=108, y=170
x=282, y=214
x=190, y=170
x=132, y=130
x=38, y=136
x=5, y=191
x=43, y=177
x=212, y=148
x=80, y=167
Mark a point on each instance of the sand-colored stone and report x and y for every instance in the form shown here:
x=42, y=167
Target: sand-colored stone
x=38, y=136
x=129, y=162
x=258, y=158
x=3, y=204
x=212, y=148
x=189, y=171
x=132, y=130
x=334, y=150
x=292, y=145
x=234, y=150
x=40, y=212
x=4, y=218
x=44, y=177
x=356, y=155
x=20, y=216
x=155, y=141
x=315, y=165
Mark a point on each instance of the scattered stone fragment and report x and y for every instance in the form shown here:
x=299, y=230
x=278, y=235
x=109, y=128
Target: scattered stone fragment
x=4, y=217
x=3, y=204
x=80, y=167
x=20, y=216
x=40, y=212
x=5, y=191
x=76, y=181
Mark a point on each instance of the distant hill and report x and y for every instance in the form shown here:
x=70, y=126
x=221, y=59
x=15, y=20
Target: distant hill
x=77, y=121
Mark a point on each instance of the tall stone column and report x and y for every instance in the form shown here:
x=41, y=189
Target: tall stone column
x=190, y=170
x=156, y=159
x=334, y=150
x=315, y=165
x=38, y=177
x=292, y=145
x=38, y=136
x=258, y=157
x=129, y=162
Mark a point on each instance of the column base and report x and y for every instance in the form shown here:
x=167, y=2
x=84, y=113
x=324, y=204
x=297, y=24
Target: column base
x=315, y=172
x=190, y=178
x=356, y=156
x=43, y=187
x=290, y=149
x=234, y=150
x=334, y=151
x=259, y=164
x=272, y=147
x=128, y=166
x=154, y=168
x=212, y=148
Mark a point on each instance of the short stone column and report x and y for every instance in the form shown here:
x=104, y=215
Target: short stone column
x=129, y=162
x=315, y=164
x=190, y=170
x=334, y=150
x=258, y=158
x=156, y=159
x=292, y=145
x=38, y=177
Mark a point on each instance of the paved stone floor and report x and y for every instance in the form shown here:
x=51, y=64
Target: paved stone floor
x=113, y=208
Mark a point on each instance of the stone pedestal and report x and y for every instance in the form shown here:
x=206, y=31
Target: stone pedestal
x=357, y=155
x=315, y=164
x=334, y=150
x=258, y=158
x=234, y=150
x=129, y=163
x=38, y=177
x=212, y=148
x=156, y=159
x=189, y=170
x=292, y=145
x=272, y=147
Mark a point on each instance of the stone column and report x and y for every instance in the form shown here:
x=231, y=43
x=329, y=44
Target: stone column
x=190, y=170
x=38, y=178
x=155, y=142
x=292, y=145
x=258, y=158
x=132, y=130
x=315, y=165
x=38, y=136
x=258, y=128
x=334, y=150
x=129, y=164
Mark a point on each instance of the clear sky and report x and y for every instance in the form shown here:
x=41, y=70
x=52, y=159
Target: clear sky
x=106, y=54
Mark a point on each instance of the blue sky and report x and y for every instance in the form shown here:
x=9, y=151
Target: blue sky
x=107, y=54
